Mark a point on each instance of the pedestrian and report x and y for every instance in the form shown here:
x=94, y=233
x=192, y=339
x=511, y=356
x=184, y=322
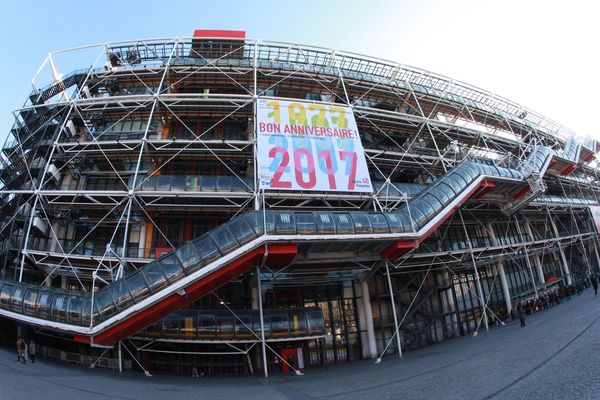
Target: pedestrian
x=32, y=351
x=594, y=283
x=25, y=351
x=521, y=315
x=20, y=350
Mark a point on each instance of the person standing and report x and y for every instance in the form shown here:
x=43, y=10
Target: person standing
x=32, y=351
x=521, y=315
x=594, y=281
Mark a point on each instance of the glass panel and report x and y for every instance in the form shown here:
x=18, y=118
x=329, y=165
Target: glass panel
x=237, y=185
x=188, y=257
x=243, y=325
x=206, y=249
x=447, y=189
x=441, y=195
x=43, y=305
x=279, y=323
x=224, y=183
x=458, y=178
x=267, y=324
x=154, y=276
x=16, y=300
x=242, y=232
x=59, y=308
x=206, y=325
x=429, y=205
x=193, y=183
x=361, y=223
x=343, y=223
x=75, y=305
x=270, y=222
x=224, y=239
x=305, y=223
x=395, y=223
x=171, y=325
x=121, y=294
x=225, y=324
x=5, y=294
x=284, y=223
x=455, y=182
x=137, y=286
x=325, y=223
x=209, y=183
x=316, y=325
x=164, y=182
x=379, y=223
x=29, y=302
x=172, y=267
x=105, y=305
x=298, y=324
x=178, y=183
x=86, y=309
x=188, y=324
x=255, y=220
x=150, y=183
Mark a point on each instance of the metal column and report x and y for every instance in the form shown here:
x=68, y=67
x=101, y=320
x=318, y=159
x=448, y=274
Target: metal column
x=396, y=327
x=262, y=323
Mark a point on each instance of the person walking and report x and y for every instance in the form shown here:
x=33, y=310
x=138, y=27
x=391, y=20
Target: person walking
x=32, y=351
x=20, y=350
x=594, y=281
x=521, y=315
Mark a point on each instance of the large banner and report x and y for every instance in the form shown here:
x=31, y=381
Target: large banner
x=309, y=146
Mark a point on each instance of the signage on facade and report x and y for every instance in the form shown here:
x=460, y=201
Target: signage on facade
x=309, y=146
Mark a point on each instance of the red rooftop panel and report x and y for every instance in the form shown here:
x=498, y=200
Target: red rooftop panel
x=217, y=33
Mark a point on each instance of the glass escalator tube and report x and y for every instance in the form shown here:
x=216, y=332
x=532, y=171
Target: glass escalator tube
x=29, y=300
x=16, y=299
x=379, y=223
x=75, y=310
x=172, y=267
x=206, y=249
x=325, y=223
x=416, y=216
x=254, y=219
x=59, y=307
x=284, y=223
x=224, y=239
x=395, y=223
x=343, y=223
x=362, y=225
x=121, y=295
x=305, y=223
x=44, y=303
x=443, y=194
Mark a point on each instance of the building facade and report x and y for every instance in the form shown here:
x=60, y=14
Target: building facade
x=224, y=205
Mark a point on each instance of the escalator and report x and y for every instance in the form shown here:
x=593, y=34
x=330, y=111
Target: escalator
x=270, y=238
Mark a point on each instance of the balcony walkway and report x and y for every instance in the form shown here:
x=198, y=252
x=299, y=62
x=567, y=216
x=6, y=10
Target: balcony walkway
x=555, y=356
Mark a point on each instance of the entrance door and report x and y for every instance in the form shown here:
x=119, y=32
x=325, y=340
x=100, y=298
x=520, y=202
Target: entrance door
x=291, y=357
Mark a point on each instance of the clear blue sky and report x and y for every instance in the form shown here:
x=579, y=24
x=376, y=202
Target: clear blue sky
x=542, y=54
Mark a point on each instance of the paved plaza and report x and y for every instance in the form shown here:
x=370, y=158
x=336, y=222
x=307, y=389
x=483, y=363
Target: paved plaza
x=556, y=356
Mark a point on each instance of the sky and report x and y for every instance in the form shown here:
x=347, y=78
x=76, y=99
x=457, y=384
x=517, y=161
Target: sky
x=543, y=55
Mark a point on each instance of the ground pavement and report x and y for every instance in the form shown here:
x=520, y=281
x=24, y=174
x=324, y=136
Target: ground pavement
x=555, y=357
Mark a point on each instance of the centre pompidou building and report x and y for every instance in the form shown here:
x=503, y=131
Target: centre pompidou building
x=223, y=205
